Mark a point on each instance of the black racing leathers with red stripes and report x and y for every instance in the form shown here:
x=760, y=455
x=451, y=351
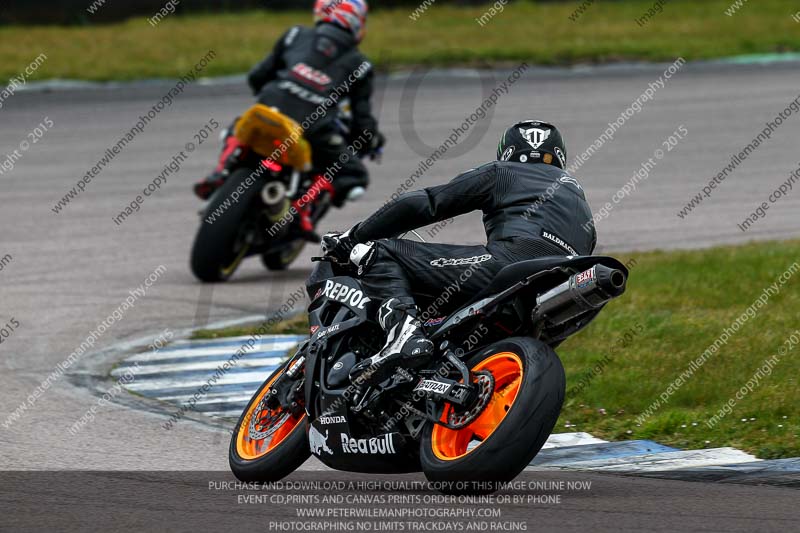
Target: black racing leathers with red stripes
x=308, y=72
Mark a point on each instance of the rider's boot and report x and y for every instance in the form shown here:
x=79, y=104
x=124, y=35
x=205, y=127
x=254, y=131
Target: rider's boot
x=228, y=159
x=406, y=343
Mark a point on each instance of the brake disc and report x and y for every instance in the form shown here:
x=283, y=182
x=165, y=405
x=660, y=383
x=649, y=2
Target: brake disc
x=485, y=383
x=265, y=421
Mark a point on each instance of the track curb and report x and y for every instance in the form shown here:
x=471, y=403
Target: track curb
x=169, y=376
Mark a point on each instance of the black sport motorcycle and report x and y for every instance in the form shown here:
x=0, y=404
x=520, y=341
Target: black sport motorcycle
x=270, y=203
x=480, y=411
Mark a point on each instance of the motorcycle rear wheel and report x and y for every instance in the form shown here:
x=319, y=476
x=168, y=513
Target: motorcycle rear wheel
x=528, y=393
x=218, y=249
x=274, y=457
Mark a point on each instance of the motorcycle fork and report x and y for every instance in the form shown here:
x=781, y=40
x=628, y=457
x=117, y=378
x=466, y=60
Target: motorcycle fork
x=286, y=390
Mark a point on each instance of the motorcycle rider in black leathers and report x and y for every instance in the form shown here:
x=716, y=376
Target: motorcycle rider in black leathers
x=531, y=207
x=307, y=73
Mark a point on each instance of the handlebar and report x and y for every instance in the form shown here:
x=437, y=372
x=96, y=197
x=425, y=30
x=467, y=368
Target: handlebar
x=345, y=268
x=327, y=259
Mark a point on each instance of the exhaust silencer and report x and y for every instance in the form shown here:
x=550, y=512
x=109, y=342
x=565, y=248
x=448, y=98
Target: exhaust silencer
x=582, y=292
x=273, y=194
x=276, y=202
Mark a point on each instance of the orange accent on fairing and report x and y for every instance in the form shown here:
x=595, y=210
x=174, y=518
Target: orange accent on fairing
x=507, y=370
x=250, y=449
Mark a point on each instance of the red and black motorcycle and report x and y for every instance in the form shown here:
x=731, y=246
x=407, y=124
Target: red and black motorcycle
x=269, y=204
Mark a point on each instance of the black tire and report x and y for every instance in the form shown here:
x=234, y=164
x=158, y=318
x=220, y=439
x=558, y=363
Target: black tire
x=281, y=259
x=214, y=254
x=279, y=462
x=521, y=433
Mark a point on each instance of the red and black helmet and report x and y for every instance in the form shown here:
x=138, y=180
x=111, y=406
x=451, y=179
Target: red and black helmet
x=348, y=14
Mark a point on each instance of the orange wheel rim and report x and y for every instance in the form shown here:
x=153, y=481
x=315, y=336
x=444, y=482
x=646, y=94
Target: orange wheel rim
x=506, y=369
x=249, y=448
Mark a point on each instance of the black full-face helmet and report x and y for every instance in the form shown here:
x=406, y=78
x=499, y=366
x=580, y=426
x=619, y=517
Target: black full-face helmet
x=533, y=141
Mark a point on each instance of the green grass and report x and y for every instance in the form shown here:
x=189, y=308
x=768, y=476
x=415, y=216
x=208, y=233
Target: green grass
x=295, y=325
x=682, y=302
x=538, y=33
x=677, y=304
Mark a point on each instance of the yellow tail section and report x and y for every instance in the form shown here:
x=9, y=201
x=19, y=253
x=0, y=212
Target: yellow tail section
x=273, y=135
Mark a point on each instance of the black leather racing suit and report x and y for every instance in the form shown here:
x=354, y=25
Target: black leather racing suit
x=308, y=71
x=529, y=210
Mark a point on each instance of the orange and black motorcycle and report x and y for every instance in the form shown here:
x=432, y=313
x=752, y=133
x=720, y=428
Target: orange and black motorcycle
x=480, y=411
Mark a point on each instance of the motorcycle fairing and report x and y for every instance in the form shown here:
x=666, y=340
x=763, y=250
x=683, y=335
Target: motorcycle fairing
x=338, y=305
x=386, y=453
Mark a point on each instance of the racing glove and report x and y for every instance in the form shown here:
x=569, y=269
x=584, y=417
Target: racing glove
x=372, y=149
x=377, y=144
x=338, y=245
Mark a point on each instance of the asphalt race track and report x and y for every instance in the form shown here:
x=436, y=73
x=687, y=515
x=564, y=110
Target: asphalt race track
x=137, y=501
x=67, y=272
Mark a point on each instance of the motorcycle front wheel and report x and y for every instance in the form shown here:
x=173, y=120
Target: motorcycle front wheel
x=267, y=444
x=284, y=257
x=526, y=398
